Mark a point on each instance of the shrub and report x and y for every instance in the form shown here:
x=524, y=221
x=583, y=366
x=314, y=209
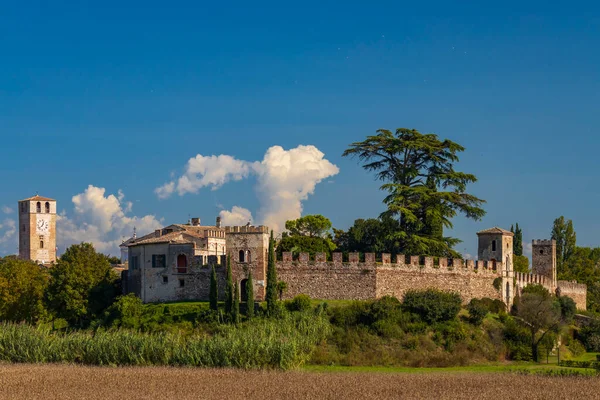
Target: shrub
x=517, y=340
x=356, y=313
x=299, y=303
x=568, y=308
x=477, y=312
x=589, y=335
x=433, y=305
x=494, y=306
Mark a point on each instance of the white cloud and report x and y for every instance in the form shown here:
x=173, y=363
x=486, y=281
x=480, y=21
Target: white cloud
x=165, y=190
x=7, y=210
x=236, y=217
x=285, y=178
x=102, y=220
x=202, y=171
x=527, y=249
x=8, y=230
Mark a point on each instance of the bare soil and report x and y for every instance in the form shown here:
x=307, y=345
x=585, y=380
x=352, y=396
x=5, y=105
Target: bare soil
x=76, y=382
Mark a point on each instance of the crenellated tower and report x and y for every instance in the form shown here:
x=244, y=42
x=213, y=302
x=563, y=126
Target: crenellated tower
x=543, y=259
x=496, y=245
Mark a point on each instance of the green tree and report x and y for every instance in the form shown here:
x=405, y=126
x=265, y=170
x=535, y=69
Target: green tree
x=538, y=311
x=566, y=241
x=214, y=290
x=229, y=288
x=310, y=234
x=423, y=187
x=82, y=284
x=271, y=292
x=310, y=225
x=235, y=314
x=517, y=240
x=374, y=235
x=281, y=288
x=22, y=286
x=304, y=244
x=250, y=296
x=521, y=264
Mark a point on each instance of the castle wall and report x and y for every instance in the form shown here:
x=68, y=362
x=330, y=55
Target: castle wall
x=392, y=281
x=576, y=291
x=369, y=280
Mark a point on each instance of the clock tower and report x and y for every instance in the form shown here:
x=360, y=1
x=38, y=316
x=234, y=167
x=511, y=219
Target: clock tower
x=37, y=230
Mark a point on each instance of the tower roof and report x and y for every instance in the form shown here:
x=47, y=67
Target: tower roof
x=38, y=198
x=495, y=231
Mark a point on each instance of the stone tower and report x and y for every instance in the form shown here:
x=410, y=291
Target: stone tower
x=37, y=230
x=543, y=259
x=248, y=247
x=496, y=245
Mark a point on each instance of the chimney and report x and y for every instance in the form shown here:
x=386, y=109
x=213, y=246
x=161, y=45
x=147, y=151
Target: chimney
x=195, y=221
x=218, y=225
x=157, y=232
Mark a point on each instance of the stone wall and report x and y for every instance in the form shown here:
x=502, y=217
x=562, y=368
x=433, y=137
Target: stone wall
x=369, y=280
x=576, y=291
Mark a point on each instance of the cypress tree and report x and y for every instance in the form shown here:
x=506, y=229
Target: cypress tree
x=229, y=288
x=271, y=279
x=235, y=314
x=214, y=291
x=250, y=296
x=518, y=241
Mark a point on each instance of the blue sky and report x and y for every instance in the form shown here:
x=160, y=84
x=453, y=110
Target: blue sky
x=120, y=96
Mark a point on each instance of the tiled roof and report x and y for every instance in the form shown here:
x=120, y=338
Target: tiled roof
x=495, y=230
x=173, y=237
x=38, y=198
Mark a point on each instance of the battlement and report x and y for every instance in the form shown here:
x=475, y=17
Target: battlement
x=524, y=279
x=400, y=262
x=567, y=287
x=543, y=242
x=247, y=229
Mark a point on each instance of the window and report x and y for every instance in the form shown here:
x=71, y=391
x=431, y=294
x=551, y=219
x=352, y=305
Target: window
x=542, y=252
x=38, y=207
x=248, y=257
x=181, y=282
x=159, y=261
x=242, y=256
x=41, y=244
x=134, y=262
x=47, y=208
x=181, y=264
x=165, y=279
x=493, y=245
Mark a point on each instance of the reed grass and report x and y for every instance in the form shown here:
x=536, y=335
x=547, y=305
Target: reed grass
x=281, y=344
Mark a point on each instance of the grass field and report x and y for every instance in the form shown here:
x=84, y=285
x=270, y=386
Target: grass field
x=75, y=382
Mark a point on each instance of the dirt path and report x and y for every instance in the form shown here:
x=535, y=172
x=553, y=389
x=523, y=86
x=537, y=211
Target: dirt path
x=75, y=382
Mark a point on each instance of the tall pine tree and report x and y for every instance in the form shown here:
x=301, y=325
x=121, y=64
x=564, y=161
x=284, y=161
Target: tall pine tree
x=235, y=313
x=214, y=291
x=229, y=288
x=250, y=296
x=271, y=295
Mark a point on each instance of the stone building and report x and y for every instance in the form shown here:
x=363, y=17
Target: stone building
x=175, y=263
x=37, y=230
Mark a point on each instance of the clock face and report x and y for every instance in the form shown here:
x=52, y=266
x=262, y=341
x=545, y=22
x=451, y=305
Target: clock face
x=42, y=225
